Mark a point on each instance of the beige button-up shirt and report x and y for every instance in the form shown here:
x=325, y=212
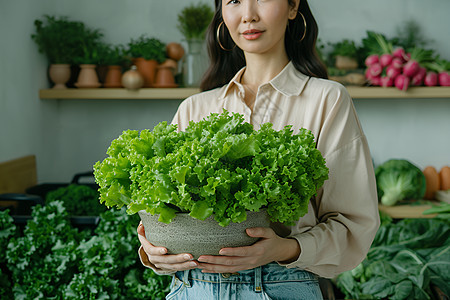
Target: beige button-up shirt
x=342, y=220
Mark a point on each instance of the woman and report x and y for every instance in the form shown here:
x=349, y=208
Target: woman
x=264, y=66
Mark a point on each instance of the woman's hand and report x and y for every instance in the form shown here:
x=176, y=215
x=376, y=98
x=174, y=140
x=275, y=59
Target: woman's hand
x=165, y=262
x=269, y=248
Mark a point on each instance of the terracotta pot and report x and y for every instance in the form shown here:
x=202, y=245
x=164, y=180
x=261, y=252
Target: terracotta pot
x=88, y=77
x=59, y=74
x=132, y=79
x=113, y=77
x=147, y=68
x=165, y=78
x=188, y=235
x=345, y=63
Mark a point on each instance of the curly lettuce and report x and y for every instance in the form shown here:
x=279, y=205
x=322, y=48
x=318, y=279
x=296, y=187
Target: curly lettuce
x=218, y=166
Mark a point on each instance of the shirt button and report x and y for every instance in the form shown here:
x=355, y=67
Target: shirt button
x=226, y=275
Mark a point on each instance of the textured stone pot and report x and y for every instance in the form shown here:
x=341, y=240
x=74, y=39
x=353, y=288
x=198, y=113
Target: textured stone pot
x=188, y=235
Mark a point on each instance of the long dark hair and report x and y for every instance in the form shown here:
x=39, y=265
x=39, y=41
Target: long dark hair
x=225, y=64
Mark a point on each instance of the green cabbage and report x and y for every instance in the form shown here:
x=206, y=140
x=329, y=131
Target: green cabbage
x=398, y=179
x=219, y=165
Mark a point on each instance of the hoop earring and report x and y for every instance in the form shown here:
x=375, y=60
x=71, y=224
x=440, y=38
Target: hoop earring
x=218, y=38
x=304, y=24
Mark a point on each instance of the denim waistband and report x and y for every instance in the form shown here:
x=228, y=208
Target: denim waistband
x=269, y=273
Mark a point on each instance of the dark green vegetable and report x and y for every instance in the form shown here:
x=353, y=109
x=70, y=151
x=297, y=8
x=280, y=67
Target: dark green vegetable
x=52, y=260
x=7, y=231
x=79, y=200
x=405, y=259
x=399, y=179
x=219, y=165
x=43, y=259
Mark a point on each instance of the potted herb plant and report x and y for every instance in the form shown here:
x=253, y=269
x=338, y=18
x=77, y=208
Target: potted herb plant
x=345, y=55
x=114, y=58
x=59, y=39
x=147, y=53
x=91, y=46
x=192, y=23
x=206, y=180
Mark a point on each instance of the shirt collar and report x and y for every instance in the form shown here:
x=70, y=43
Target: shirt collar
x=289, y=82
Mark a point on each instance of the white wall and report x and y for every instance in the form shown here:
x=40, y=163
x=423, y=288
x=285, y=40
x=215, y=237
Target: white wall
x=68, y=136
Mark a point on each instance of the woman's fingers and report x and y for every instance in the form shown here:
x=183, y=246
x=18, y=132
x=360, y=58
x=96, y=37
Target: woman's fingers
x=148, y=247
x=171, y=259
x=159, y=258
x=174, y=262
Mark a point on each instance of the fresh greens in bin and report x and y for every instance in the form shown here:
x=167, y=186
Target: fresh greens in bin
x=405, y=259
x=79, y=200
x=52, y=260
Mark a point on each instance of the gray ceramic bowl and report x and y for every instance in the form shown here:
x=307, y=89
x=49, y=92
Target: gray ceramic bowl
x=188, y=235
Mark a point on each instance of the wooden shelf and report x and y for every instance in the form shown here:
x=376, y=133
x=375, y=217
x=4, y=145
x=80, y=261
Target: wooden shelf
x=102, y=93
x=406, y=211
x=182, y=93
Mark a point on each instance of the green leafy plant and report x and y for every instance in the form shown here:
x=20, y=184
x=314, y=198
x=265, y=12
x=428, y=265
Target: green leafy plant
x=7, y=231
x=148, y=48
x=113, y=55
x=376, y=43
x=52, y=260
x=344, y=48
x=43, y=259
x=194, y=19
x=91, y=47
x=62, y=40
x=399, y=179
x=405, y=260
x=108, y=267
x=79, y=200
x=219, y=166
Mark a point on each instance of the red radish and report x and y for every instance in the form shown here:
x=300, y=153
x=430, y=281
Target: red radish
x=402, y=82
x=399, y=53
x=419, y=77
x=375, y=70
x=385, y=60
x=375, y=80
x=397, y=63
x=431, y=79
x=387, y=81
x=444, y=78
x=411, y=68
x=392, y=71
x=371, y=60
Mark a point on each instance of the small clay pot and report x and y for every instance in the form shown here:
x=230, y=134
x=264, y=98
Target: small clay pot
x=59, y=74
x=88, y=77
x=147, y=68
x=113, y=77
x=186, y=234
x=165, y=78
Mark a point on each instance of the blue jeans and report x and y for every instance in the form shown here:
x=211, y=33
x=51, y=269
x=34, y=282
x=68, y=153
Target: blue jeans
x=271, y=281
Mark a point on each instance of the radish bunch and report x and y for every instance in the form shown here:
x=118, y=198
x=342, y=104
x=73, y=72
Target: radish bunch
x=402, y=69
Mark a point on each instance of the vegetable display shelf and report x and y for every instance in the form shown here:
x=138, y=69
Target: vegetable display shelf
x=407, y=211
x=182, y=93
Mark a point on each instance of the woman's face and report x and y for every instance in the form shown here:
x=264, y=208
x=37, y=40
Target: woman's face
x=258, y=26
